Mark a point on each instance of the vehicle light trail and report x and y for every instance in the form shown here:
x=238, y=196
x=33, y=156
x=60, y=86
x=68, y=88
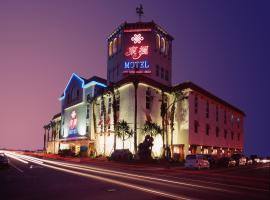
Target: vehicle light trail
x=124, y=184
x=129, y=175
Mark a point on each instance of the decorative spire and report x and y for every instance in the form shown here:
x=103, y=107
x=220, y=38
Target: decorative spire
x=139, y=11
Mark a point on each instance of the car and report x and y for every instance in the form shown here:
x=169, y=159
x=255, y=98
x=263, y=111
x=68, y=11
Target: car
x=240, y=159
x=197, y=161
x=211, y=159
x=249, y=161
x=4, y=161
x=264, y=160
x=226, y=162
x=255, y=159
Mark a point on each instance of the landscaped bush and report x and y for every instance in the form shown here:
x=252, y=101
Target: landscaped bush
x=121, y=155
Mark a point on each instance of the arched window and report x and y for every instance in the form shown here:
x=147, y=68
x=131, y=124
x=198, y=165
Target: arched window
x=110, y=48
x=157, y=41
x=114, y=45
x=119, y=42
x=162, y=45
x=167, y=47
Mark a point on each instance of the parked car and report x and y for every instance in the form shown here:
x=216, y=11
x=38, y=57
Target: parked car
x=265, y=160
x=255, y=159
x=211, y=159
x=240, y=159
x=197, y=161
x=249, y=161
x=226, y=162
x=4, y=161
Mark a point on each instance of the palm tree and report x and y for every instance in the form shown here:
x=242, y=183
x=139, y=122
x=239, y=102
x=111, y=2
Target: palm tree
x=53, y=125
x=114, y=116
x=122, y=130
x=103, y=109
x=163, y=113
x=177, y=96
x=152, y=129
x=44, y=137
x=135, y=83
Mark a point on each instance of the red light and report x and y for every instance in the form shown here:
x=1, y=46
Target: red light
x=136, y=52
x=137, y=30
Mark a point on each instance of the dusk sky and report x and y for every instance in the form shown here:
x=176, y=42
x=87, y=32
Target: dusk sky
x=223, y=46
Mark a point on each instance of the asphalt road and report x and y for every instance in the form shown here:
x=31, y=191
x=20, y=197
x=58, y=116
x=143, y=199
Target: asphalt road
x=32, y=178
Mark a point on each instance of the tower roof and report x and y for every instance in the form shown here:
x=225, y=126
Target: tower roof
x=142, y=26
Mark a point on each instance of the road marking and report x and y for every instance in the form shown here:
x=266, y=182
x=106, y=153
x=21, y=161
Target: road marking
x=14, y=166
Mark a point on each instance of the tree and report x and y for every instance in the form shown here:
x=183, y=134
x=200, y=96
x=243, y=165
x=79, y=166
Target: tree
x=163, y=112
x=122, y=130
x=152, y=129
x=44, y=137
x=177, y=96
x=135, y=83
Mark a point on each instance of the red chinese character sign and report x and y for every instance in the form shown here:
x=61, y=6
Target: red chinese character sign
x=136, y=55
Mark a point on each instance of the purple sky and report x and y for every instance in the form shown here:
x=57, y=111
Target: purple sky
x=221, y=45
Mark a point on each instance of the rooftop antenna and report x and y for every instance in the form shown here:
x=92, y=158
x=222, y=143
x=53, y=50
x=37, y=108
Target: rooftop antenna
x=139, y=11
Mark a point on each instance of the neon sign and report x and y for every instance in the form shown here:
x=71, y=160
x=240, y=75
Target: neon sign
x=136, y=52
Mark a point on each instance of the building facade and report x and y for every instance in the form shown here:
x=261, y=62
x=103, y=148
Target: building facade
x=138, y=89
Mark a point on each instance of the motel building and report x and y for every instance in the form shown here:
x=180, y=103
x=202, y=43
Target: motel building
x=137, y=89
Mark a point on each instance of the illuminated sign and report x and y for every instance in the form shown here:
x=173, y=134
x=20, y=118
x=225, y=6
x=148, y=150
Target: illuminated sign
x=135, y=53
x=73, y=124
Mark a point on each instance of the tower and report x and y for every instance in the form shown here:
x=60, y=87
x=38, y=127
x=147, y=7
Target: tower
x=142, y=48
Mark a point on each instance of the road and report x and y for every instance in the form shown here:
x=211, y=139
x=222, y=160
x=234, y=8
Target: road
x=34, y=178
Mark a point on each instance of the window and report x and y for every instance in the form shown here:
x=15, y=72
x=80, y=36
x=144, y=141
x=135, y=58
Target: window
x=217, y=113
x=238, y=136
x=225, y=117
x=162, y=45
x=110, y=49
x=225, y=133
x=232, y=135
x=166, y=75
x=148, y=99
x=217, y=132
x=87, y=129
x=196, y=104
x=207, y=110
x=207, y=129
x=119, y=42
x=196, y=126
x=162, y=72
x=109, y=105
x=167, y=47
x=157, y=70
x=238, y=122
x=157, y=41
x=87, y=112
x=114, y=45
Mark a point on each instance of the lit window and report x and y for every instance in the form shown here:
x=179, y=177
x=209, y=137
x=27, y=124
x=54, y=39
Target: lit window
x=119, y=42
x=238, y=122
x=167, y=47
x=110, y=49
x=115, y=45
x=162, y=45
x=157, y=41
